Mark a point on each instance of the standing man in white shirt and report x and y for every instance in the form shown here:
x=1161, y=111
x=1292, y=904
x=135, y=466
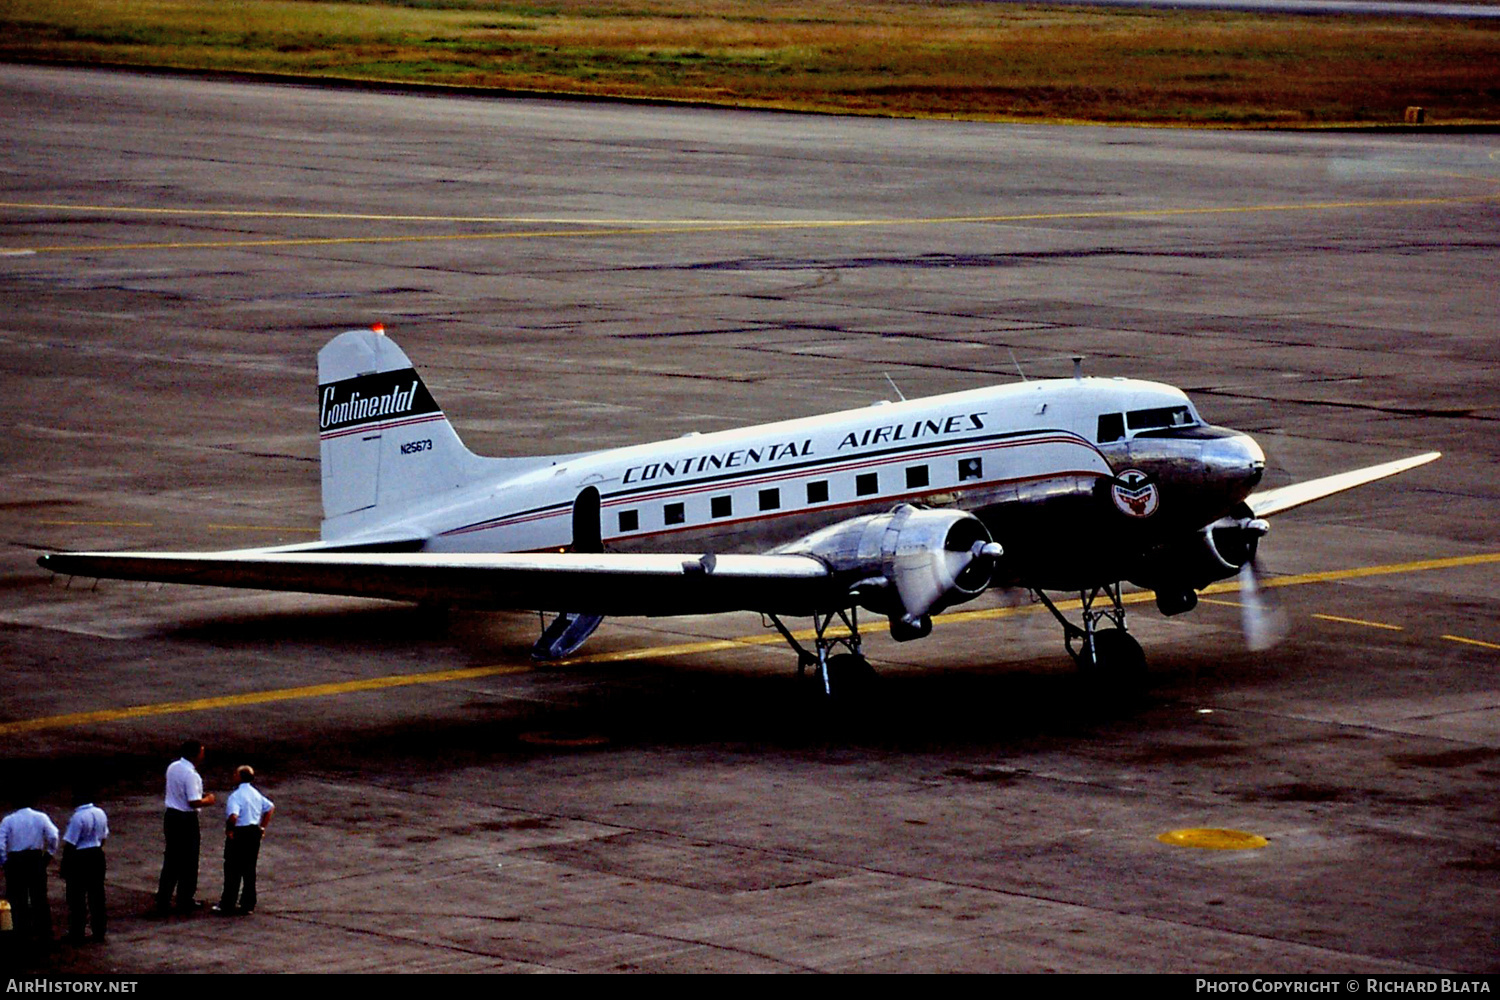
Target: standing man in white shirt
x=247, y=814
x=179, y=869
x=28, y=839
x=83, y=865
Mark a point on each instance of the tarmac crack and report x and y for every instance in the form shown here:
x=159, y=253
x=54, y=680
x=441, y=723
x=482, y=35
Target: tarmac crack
x=407, y=912
x=1452, y=413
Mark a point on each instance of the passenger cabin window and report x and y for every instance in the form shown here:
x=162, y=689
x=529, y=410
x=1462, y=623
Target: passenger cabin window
x=673, y=513
x=970, y=468
x=1159, y=416
x=1111, y=427
x=867, y=483
x=630, y=520
x=721, y=506
x=770, y=499
x=817, y=491
x=916, y=476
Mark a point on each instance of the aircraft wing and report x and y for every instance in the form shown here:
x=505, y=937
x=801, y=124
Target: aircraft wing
x=1284, y=498
x=601, y=584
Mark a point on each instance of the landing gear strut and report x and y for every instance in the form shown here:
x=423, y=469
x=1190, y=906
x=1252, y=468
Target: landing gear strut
x=836, y=671
x=1102, y=653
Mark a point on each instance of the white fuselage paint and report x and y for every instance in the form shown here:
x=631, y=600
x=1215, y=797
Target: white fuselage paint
x=693, y=490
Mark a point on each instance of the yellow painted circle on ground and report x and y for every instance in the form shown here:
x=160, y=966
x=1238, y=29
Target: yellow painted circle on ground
x=1211, y=839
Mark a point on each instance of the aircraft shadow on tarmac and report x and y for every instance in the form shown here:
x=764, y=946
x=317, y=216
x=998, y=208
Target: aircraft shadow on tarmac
x=694, y=699
x=369, y=625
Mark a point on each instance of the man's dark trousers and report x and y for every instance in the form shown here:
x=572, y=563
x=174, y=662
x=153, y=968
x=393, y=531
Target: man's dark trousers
x=26, y=890
x=241, y=852
x=85, y=878
x=179, y=869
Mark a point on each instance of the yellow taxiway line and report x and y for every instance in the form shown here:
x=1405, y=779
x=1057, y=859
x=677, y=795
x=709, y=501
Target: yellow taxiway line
x=262, y=527
x=210, y=527
x=1360, y=621
x=253, y=698
x=1472, y=642
x=625, y=227
x=1233, y=586
x=534, y=220
x=692, y=648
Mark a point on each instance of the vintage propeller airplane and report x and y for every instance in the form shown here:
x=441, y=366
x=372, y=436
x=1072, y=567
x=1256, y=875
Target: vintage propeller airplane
x=903, y=509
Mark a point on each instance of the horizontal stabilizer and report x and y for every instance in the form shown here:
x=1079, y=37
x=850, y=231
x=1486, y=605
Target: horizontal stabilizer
x=598, y=584
x=1284, y=498
x=397, y=540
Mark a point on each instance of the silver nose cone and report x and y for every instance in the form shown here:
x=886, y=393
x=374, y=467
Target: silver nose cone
x=1234, y=463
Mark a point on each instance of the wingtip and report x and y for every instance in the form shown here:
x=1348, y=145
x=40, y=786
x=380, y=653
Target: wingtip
x=1284, y=498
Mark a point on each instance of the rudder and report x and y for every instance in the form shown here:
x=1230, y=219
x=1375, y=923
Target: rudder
x=384, y=440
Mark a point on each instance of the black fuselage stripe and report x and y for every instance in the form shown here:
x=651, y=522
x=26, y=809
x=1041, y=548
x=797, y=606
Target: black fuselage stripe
x=790, y=471
x=863, y=456
x=850, y=464
x=904, y=497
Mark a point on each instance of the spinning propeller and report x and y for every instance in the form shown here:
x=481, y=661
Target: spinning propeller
x=1262, y=624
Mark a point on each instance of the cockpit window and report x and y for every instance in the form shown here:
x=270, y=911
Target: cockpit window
x=1160, y=416
x=1111, y=427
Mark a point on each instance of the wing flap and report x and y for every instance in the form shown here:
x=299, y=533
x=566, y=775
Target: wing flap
x=1284, y=498
x=602, y=584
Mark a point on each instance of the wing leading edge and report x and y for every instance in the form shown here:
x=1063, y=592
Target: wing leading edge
x=1284, y=498
x=609, y=584
x=601, y=584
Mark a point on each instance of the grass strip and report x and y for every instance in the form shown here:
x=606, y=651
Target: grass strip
x=959, y=59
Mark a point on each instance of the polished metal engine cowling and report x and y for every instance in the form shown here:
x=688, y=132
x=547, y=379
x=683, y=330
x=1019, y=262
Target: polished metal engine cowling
x=1215, y=553
x=908, y=563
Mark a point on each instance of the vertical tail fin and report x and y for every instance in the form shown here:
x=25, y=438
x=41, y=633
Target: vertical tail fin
x=385, y=442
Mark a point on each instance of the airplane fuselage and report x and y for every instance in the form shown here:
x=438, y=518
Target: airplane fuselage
x=1028, y=458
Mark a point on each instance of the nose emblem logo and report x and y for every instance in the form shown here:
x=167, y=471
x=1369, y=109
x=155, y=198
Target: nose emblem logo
x=1135, y=494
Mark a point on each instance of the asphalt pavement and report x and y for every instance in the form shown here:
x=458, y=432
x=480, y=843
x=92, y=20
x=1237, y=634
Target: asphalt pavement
x=570, y=276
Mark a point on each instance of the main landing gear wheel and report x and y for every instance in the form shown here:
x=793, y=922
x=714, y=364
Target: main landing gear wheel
x=1115, y=657
x=1109, y=658
x=840, y=676
x=850, y=677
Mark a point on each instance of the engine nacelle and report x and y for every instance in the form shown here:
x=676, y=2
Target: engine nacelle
x=1177, y=570
x=907, y=564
